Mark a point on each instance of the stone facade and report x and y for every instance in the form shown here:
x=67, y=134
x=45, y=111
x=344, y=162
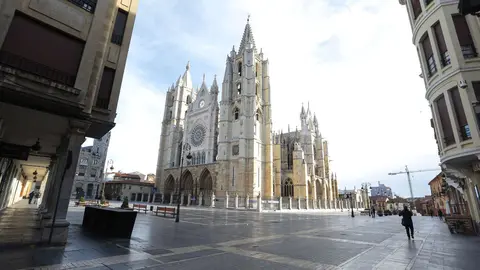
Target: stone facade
x=61, y=70
x=90, y=169
x=230, y=148
x=447, y=44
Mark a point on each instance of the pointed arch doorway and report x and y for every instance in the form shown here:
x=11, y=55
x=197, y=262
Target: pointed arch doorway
x=187, y=186
x=206, y=187
x=169, y=187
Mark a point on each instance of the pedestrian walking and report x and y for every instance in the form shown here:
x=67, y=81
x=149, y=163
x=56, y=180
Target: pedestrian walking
x=30, y=196
x=440, y=214
x=431, y=213
x=373, y=211
x=407, y=222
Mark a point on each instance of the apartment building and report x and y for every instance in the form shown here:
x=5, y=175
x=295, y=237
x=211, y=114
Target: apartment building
x=61, y=69
x=447, y=43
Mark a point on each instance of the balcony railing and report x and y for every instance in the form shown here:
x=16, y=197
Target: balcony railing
x=117, y=39
x=432, y=67
x=449, y=140
x=445, y=59
x=465, y=132
x=88, y=5
x=102, y=103
x=26, y=65
x=469, y=51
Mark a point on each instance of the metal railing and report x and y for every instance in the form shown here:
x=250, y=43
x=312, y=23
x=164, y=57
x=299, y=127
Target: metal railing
x=26, y=65
x=117, y=39
x=88, y=5
x=102, y=103
x=469, y=51
x=465, y=132
x=432, y=67
x=445, y=59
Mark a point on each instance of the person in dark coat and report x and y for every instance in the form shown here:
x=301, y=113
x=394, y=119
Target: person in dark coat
x=440, y=214
x=30, y=197
x=407, y=221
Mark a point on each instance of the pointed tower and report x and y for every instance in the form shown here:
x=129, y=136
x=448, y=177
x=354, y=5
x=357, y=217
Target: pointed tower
x=245, y=125
x=178, y=97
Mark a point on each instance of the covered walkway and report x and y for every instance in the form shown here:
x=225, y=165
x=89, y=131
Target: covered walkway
x=19, y=225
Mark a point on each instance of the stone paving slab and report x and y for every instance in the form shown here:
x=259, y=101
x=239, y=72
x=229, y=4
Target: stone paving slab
x=249, y=240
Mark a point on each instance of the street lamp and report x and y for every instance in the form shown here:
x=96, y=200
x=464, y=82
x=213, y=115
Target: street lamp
x=186, y=147
x=109, y=164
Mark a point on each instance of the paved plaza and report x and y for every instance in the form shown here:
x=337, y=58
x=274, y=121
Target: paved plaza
x=226, y=239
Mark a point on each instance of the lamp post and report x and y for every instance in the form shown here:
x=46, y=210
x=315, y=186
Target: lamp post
x=186, y=147
x=109, y=163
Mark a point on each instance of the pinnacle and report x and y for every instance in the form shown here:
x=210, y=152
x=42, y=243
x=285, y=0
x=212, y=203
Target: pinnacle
x=247, y=37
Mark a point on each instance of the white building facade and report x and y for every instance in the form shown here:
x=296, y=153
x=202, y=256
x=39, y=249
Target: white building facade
x=233, y=149
x=447, y=45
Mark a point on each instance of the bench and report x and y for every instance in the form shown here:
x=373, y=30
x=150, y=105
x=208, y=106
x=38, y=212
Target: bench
x=165, y=210
x=140, y=207
x=364, y=212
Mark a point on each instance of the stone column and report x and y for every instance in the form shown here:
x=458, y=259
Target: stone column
x=200, y=199
x=63, y=181
x=259, y=203
x=280, y=203
x=247, y=200
x=46, y=196
x=189, y=199
x=290, y=204
x=299, y=203
x=236, y=201
x=226, y=200
x=306, y=204
x=171, y=198
x=141, y=197
x=163, y=197
x=153, y=197
x=212, y=205
x=181, y=198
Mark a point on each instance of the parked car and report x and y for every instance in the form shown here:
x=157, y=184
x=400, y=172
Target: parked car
x=387, y=213
x=380, y=213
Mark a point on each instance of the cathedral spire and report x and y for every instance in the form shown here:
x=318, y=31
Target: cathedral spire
x=186, y=80
x=302, y=113
x=247, y=38
x=214, y=87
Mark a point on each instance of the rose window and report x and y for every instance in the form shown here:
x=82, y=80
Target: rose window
x=198, y=135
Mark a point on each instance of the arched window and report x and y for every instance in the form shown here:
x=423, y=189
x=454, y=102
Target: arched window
x=199, y=161
x=193, y=159
x=189, y=99
x=236, y=112
x=170, y=115
x=257, y=87
x=239, y=88
x=287, y=188
x=239, y=68
x=258, y=115
x=203, y=158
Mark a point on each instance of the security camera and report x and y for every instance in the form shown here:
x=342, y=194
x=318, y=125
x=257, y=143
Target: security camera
x=462, y=84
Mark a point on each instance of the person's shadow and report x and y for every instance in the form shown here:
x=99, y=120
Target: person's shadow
x=411, y=245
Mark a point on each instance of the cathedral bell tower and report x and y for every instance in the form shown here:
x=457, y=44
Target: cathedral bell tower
x=245, y=143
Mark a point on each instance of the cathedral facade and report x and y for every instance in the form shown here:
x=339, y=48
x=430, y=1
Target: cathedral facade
x=211, y=149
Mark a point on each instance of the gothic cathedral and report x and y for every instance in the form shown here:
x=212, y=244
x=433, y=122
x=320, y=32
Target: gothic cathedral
x=229, y=148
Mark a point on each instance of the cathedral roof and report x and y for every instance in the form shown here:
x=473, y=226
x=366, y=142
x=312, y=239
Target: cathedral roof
x=247, y=38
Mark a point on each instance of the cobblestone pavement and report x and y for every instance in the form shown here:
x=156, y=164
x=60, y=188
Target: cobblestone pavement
x=220, y=239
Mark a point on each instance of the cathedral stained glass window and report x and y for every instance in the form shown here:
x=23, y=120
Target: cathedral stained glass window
x=198, y=135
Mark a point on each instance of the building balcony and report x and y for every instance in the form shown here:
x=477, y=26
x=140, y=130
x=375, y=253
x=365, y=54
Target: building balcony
x=29, y=84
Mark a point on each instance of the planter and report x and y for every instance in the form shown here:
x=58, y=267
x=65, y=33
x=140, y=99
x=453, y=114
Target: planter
x=110, y=222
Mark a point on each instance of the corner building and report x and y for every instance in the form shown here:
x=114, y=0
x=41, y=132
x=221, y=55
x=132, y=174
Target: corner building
x=61, y=69
x=447, y=45
x=234, y=151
